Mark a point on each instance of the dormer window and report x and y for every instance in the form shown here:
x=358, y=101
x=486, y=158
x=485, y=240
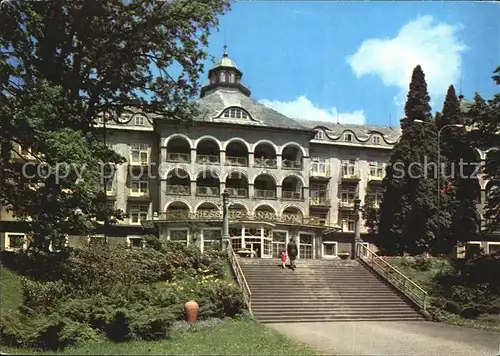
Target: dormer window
x=320, y=135
x=376, y=139
x=348, y=137
x=139, y=120
x=235, y=113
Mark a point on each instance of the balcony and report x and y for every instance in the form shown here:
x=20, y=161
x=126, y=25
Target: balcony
x=178, y=157
x=291, y=158
x=291, y=195
x=346, y=204
x=350, y=175
x=264, y=156
x=178, y=150
x=264, y=194
x=208, y=152
x=297, y=165
x=208, y=191
x=236, y=161
x=179, y=189
x=207, y=159
x=320, y=202
x=237, y=192
x=375, y=176
x=236, y=154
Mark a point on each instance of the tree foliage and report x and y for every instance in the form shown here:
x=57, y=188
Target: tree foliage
x=64, y=62
x=409, y=217
x=485, y=117
x=459, y=177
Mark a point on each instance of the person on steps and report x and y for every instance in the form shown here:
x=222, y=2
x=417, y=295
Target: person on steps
x=283, y=259
x=292, y=252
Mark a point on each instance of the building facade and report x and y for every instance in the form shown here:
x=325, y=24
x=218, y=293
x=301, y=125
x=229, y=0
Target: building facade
x=285, y=178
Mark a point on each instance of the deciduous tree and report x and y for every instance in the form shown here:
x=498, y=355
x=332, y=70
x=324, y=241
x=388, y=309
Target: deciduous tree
x=62, y=63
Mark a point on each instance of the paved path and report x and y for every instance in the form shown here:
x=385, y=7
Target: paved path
x=393, y=338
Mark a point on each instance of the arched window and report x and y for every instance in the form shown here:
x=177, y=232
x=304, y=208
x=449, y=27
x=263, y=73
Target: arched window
x=235, y=113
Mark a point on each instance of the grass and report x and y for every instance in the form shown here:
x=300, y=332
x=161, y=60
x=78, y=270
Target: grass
x=10, y=288
x=241, y=336
x=424, y=280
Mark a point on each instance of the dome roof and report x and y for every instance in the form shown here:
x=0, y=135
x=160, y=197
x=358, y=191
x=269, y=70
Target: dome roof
x=225, y=61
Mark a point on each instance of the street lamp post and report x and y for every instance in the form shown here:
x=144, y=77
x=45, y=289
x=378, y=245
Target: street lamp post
x=225, y=220
x=357, y=225
x=439, y=160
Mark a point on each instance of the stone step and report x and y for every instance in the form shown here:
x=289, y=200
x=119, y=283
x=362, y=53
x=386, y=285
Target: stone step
x=319, y=293
x=329, y=313
x=332, y=303
x=338, y=310
x=332, y=283
x=401, y=309
x=338, y=318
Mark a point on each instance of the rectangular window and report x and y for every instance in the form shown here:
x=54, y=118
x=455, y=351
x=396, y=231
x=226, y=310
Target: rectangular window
x=348, y=167
x=347, y=194
x=320, y=135
x=138, y=213
x=347, y=221
x=348, y=137
x=139, y=154
x=139, y=185
x=211, y=239
x=179, y=235
x=318, y=165
x=493, y=247
x=135, y=241
x=376, y=140
x=330, y=249
x=139, y=120
x=16, y=241
x=376, y=169
x=97, y=240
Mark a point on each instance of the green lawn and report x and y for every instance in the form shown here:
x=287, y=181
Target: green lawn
x=242, y=336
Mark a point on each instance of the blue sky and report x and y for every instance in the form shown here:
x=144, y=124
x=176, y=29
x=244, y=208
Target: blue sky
x=351, y=61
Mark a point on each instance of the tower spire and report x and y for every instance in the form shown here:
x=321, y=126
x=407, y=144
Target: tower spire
x=224, y=53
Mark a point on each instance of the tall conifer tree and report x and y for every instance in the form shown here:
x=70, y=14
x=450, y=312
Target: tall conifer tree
x=409, y=217
x=459, y=185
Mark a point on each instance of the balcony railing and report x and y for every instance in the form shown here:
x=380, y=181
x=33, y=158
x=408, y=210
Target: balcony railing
x=350, y=174
x=238, y=192
x=265, y=162
x=316, y=201
x=236, y=161
x=290, y=195
x=138, y=193
x=375, y=177
x=286, y=164
x=242, y=215
x=179, y=189
x=179, y=157
x=262, y=193
x=208, y=191
x=207, y=159
x=346, y=204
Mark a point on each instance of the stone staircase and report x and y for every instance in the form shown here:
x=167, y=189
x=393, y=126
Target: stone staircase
x=320, y=290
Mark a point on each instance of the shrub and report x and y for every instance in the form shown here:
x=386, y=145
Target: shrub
x=422, y=263
x=42, y=296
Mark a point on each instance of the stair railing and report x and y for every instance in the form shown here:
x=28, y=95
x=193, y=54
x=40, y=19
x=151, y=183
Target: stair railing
x=409, y=288
x=240, y=277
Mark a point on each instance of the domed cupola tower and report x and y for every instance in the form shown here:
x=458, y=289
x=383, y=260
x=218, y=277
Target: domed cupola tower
x=224, y=75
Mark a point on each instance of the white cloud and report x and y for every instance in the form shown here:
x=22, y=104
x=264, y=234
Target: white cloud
x=434, y=45
x=302, y=108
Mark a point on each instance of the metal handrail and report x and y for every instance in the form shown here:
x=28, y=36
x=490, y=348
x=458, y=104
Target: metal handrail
x=404, y=286
x=240, y=277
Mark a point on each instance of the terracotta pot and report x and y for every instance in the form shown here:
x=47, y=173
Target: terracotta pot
x=191, y=311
